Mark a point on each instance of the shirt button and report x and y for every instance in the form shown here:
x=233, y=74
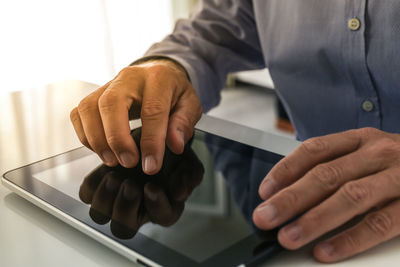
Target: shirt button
x=367, y=106
x=354, y=24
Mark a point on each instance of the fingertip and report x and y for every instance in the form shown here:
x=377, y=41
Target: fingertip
x=109, y=158
x=287, y=239
x=85, y=194
x=257, y=219
x=110, y=164
x=150, y=165
x=176, y=141
x=323, y=252
x=265, y=216
x=267, y=188
x=78, y=127
x=128, y=159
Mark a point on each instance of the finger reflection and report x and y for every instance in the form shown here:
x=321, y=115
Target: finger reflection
x=129, y=198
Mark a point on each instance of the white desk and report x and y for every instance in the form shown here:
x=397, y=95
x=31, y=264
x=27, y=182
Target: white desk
x=35, y=125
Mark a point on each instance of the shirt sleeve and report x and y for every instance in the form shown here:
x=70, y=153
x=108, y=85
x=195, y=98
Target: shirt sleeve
x=219, y=37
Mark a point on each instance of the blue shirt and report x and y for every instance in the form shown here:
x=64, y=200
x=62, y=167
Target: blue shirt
x=335, y=63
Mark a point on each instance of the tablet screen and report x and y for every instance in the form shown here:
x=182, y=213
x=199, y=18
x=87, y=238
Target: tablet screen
x=212, y=233
x=203, y=198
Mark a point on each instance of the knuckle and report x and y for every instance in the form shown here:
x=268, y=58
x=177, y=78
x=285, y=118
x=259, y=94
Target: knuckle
x=153, y=72
x=386, y=152
x=157, y=69
x=85, y=105
x=388, y=148
x=387, y=142
x=351, y=241
x=114, y=141
x=380, y=223
x=396, y=149
x=149, y=139
x=107, y=100
x=73, y=115
x=285, y=162
x=154, y=108
x=128, y=75
x=355, y=192
x=313, y=218
x=368, y=132
x=127, y=71
x=314, y=145
x=390, y=178
x=291, y=197
x=327, y=175
x=283, y=167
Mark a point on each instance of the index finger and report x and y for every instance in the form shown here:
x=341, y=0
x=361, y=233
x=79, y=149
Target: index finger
x=310, y=153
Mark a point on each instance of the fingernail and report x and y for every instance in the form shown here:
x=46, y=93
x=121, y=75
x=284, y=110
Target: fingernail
x=108, y=157
x=267, y=212
x=292, y=232
x=326, y=248
x=182, y=136
x=127, y=159
x=149, y=164
x=267, y=188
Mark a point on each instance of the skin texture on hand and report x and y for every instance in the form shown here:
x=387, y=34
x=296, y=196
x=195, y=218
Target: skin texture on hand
x=328, y=181
x=156, y=91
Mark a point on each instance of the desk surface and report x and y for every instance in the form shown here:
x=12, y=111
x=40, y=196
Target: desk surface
x=34, y=125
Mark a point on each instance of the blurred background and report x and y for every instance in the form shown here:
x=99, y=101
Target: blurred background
x=44, y=41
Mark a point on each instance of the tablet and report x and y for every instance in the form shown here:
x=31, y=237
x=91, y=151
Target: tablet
x=195, y=212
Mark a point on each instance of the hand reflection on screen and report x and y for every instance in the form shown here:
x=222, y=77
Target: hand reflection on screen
x=130, y=198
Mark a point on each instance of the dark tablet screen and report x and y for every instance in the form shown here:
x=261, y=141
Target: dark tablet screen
x=197, y=209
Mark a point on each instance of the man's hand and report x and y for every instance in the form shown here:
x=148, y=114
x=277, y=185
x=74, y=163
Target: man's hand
x=158, y=92
x=330, y=180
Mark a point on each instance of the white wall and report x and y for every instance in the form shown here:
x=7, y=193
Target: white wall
x=43, y=41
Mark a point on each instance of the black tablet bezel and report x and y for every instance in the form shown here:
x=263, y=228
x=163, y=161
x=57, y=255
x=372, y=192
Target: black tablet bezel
x=23, y=178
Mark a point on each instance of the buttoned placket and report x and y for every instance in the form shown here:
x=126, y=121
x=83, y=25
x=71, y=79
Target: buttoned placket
x=354, y=52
